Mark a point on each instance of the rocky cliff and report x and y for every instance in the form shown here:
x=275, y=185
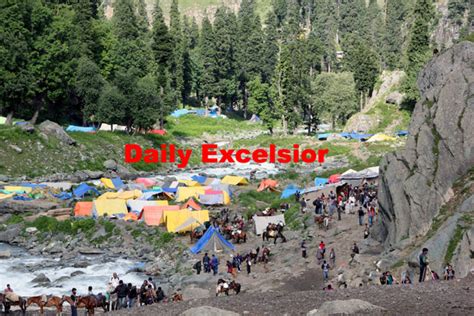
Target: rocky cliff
x=418, y=181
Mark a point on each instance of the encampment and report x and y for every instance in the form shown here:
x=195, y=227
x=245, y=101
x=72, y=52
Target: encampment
x=83, y=209
x=174, y=219
x=191, y=204
x=84, y=188
x=213, y=241
x=115, y=183
x=381, y=138
x=234, y=180
x=261, y=222
x=138, y=205
x=184, y=193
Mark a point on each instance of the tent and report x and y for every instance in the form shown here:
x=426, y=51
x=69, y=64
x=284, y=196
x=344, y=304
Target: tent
x=17, y=189
x=334, y=178
x=147, y=182
x=83, y=209
x=261, y=222
x=234, y=180
x=184, y=193
x=115, y=183
x=84, y=188
x=369, y=173
x=200, y=179
x=289, y=191
x=154, y=215
x=323, y=136
x=4, y=196
x=348, y=171
x=127, y=195
x=268, y=184
x=160, y=194
x=311, y=194
x=401, y=133
x=222, y=187
x=190, y=183
x=171, y=187
x=138, y=205
x=74, y=128
x=381, y=138
x=191, y=204
x=189, y=222
x=213, y=197
x=212, y=181
x=353, y=135
x=179, y=112
x=174, y=219
x=212, y=240
x=109, y=207
x=157, y=132
x=320, y=181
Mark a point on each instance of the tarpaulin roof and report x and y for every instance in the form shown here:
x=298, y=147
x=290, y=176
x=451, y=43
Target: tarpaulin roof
x=222, y=187
x=190, y=183
x=154, y=215
x=212, y=240
x=334, y=178
x=323, y=136
x=83, y=209
x=212, y=181
x=124, y=195
x=211, y=199
x=74, y=128
x=289, y=191
x=320, y=181
x=176, y=218
x=109, y=207
x=112, y=183
x=185, y=193
x=17, y=189
x=83, y=188
x=191, y=204
x=267, y=184
x=147, y=195
x=147, y=182
x=401, y=133
x=190, y=221
x=179, y=112
x=138, y=205
x=261, y=222
x=4, y=196
x=357, y=136
x=234, y=180
x=368, y=173
x=200, y=179
x=157, y=132
x=33, y=185
x=381, y=138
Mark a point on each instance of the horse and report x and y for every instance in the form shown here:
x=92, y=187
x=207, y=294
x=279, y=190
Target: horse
x=224, y=287
x=177, y=297
x=267, y=212
x=90, y=302
x=265, y=255
x=196, y=234
x=238, y=235
x=273, y=231
x=320, y=221
x=7, y=304
x=46, y=301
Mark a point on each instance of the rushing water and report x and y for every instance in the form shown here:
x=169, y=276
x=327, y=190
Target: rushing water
x=14, y=271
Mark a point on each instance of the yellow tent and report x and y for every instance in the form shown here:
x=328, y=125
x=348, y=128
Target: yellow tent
x=226, y=197
x=6, y=196
x=184, y=193
x=234, y=180
x=110, y=207
x=17, y=189
x=127, y=195
x=190, y=183
x=108, y=195
x=108, y=183
x=381, y=138
x=174, y=219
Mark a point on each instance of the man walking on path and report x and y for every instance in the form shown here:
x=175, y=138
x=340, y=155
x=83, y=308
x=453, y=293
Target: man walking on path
x=206, y=261
x=325, y=267
x=215, y=264
x=303, y=249
x=332, y=257
x=423, y=264
x=361, y=216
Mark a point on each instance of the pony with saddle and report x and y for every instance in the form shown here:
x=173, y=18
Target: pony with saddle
x=224, y=287
x=11, y=299
x=274, y=231
x=89, y=302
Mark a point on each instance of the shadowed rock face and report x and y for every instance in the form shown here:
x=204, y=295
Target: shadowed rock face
x=417, y=181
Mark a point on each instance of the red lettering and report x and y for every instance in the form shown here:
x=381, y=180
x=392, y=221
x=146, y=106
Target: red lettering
x=308, y=152
x=272, y=153
x=260, y=156
x=296, y=151
x=151, y=156
x=131, y=149
x=207, y=151
x=321, y=154
x=226, y=155
x=239, y=156
x=284, y=156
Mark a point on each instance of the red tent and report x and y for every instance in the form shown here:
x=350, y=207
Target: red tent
x=267, y=184
x=191, y=204
x=157, y=131
x=334, y=178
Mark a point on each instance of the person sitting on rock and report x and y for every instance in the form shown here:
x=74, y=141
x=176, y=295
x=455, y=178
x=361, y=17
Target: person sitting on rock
x=160, y=295
x=150, y=295
x=449, y=273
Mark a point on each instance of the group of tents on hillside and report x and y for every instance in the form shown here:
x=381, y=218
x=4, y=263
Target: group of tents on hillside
x=379, y=137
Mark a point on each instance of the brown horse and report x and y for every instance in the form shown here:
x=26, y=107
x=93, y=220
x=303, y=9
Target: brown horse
x=177, y=297
x=231, y=286
x=7, y=304
x=238, y=235
x=90, y=302
x=320, y=221
x=50, y=301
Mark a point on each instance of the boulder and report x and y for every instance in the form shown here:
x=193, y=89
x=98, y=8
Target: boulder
x=54, y=129
x=5, y=254
x=28, y=127
x=31, y=230
x=110, y=164
x=415, y=182
x=4, y=178
x=41, y=278
x=207, y=311
x=361, y=123
x=7, y=236
x=347, y=307
x=16, y=148
x=395, y=98
x=76, y=273
x=94, y=174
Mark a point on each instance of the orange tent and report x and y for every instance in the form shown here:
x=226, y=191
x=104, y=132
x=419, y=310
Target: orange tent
x=267, y=184
x=191, y=204
x=83, y=209
x=131, y=216
x=153, y=215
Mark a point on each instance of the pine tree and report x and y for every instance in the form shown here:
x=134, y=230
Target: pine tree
x=376, y=27
x=352, y=17
x=395, y=12
x=260, y=102
x=142, y=17
x=88, y=84
x=177, y=59
x=270, y=49
x=325, y=23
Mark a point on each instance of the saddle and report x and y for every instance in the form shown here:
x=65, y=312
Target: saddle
x=272, y=233
x=12, y=297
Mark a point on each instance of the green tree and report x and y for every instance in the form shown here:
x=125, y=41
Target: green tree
x=260, y=102
x=270, y=47
x=178, y=52
x=395, y=14
x=147, y=103
x=112, y=105
x=324, y=27
x=89, y=83
x=208, y=63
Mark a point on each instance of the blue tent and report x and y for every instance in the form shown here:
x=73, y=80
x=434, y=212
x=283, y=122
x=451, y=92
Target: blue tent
x=179, y=112
x=74, y=128
x=200, y=179
x=401, y=133
x=170, y=190
x=345, y=135
x=361, y=137
x=323, y=136
x=212, y=240
x=320, y=181
x=289, y=191
x=63, y=196
x=83, y=188
x=33, y=185
x=118, y=183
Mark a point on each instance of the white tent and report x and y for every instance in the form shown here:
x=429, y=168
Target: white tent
x=261, y=222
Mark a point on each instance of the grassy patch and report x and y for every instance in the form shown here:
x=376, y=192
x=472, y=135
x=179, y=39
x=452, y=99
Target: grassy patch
x=398, y=264
x=453, y=243
x=14, y=219
x=249, y=200
x=389, y=113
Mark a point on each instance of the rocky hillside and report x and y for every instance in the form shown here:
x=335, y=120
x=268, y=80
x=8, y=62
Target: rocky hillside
x=437, y=164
